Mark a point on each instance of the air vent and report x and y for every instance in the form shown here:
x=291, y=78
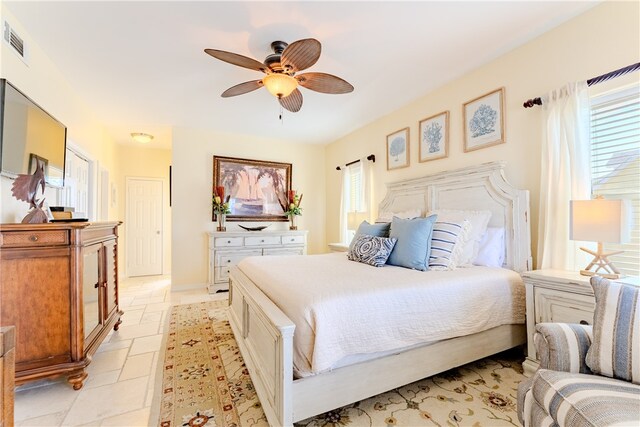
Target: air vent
x=14, y=40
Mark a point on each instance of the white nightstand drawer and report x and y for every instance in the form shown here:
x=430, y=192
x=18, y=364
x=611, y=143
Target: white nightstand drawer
x=262, y=240
x=222, y=242
x=292, y=240
x=225, y=259
x=562, y=307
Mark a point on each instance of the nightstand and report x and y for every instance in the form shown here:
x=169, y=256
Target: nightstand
x=557, y=296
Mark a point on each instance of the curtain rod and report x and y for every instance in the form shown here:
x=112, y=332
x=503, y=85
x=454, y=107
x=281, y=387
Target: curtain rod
x=592, y=81
x=371, y=157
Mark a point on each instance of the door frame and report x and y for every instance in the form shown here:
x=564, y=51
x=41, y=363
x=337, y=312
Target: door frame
x=127, y=214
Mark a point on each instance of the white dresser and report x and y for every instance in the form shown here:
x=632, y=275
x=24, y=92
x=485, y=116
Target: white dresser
x=228, y=248
x=557, y=296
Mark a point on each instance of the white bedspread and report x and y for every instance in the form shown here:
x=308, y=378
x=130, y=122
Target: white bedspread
x=343, y=308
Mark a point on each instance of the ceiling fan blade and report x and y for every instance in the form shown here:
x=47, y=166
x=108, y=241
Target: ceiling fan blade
x=300, y=55
x=242, y=88
x=235, y=59
x=325, y=83
x=293, y=102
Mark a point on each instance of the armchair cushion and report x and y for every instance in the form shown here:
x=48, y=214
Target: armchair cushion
x=583, y=400
x=615, y=351
x=563, y=346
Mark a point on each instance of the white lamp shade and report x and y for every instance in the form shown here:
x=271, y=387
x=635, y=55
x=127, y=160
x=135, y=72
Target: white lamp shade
x=354, y=219
x=600, y=220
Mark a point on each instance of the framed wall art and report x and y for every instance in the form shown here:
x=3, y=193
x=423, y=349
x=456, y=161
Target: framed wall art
x=398, y=149
x=434, y=137
x=484, y=121
x=257, y=189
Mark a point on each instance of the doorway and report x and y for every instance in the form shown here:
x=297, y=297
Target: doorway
x=144, y=227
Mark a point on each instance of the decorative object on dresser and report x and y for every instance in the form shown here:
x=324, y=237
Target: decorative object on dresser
x=228, y=249
x=60, y=289
x=600, y=220
x=7, y=374
x=25, y=188
x=556, y=296
x=484, y=121
x=294, y=208
x=434, y=137
x=257, y=190
x=258, y=228
x=220, y=207
x=398, y=149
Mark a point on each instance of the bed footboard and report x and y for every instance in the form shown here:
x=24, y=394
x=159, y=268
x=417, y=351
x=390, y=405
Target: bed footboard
x=265, y=338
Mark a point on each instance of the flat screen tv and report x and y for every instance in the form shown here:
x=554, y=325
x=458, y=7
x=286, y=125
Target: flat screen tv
x=27, y=134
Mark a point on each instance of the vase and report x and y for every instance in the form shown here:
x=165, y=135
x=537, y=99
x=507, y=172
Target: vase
x=292, y=223
x=221, y=219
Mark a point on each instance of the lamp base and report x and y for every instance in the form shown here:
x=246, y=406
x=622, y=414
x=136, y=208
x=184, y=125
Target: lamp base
x=601, y=262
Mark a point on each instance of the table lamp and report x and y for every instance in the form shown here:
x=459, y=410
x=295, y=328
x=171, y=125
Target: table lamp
x=602, y=221
x=354, y=219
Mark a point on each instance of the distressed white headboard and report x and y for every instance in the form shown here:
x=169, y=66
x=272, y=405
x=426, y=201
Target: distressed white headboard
x=481, y=187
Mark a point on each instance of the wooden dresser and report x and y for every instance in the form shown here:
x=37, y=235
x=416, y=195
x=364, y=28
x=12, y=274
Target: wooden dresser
x=227, y=248
x=59, y=288
x=7, y=373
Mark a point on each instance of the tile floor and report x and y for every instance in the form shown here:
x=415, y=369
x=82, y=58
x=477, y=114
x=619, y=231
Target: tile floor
x=119, y=389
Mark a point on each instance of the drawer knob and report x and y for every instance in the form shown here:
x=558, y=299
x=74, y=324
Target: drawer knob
x=228, y=260
x=262, y=241
x=33, y=238
x=584, y=322
x=291, y=240
x=228, y=241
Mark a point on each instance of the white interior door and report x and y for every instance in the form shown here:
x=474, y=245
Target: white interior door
x=144, y=226
x=76, y=184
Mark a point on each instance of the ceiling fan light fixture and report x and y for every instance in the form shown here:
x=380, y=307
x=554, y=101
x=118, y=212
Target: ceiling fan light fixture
x=142, y=138
x=280, y=85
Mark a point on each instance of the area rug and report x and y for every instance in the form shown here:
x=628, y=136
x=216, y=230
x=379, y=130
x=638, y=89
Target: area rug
x=205, y=383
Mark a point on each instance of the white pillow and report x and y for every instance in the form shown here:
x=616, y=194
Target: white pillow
x=492, y=248
x=478, y=220
x=409, y=214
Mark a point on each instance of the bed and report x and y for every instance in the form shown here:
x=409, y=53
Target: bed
x=295, y=382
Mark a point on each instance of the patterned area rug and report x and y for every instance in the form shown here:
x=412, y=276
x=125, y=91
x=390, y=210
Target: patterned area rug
x=205, y=383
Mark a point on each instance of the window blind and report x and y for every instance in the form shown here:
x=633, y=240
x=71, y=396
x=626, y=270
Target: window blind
x=355, y=204
x=615, y=164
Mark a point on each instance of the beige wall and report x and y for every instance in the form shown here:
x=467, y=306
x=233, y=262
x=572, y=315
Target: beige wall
x=143, y=162
x=193, y=152
x=44, y=83
x=603, y=39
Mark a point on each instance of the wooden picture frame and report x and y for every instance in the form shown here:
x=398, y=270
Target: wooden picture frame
x=398, y=156
x=33, y=164
x=258, y=189
x=484, y=121
x=434, y=137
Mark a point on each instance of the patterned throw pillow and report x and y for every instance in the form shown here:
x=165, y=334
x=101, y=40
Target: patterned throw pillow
x=446, y=244
x=615, y=351
x=372, y=250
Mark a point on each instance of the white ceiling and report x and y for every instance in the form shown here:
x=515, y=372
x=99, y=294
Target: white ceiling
x=141, y=65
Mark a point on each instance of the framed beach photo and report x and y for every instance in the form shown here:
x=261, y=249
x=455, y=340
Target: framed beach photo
x=258, y=190
x=484, y=121
x=398, y=149
x=434, y=137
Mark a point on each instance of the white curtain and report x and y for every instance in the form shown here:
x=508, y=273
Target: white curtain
x=365, y=188
x=565, y=172
x=345, y=201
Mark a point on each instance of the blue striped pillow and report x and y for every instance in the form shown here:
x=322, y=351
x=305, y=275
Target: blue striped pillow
x=615, y=351
x=444, y=242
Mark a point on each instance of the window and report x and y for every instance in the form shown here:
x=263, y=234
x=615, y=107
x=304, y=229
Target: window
x=615, y=164
x=354, y=202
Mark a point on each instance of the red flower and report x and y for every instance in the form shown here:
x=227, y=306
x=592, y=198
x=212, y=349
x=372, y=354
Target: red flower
x=292, y=195
x=220, y=192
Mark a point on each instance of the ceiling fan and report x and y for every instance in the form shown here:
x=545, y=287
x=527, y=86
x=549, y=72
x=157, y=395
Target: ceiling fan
x=280, y=68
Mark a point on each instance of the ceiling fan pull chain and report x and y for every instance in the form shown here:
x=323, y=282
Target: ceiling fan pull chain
x=281, y=115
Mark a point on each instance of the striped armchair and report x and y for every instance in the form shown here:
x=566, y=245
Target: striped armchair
x=564, y=391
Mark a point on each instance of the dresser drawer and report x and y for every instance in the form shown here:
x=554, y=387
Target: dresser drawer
x=262, y=241
x=284, y=251
x=34, y=238
x=224, y=258
x=221, y=274
x=227, y=242
x=292, y=240
x=562, y=307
